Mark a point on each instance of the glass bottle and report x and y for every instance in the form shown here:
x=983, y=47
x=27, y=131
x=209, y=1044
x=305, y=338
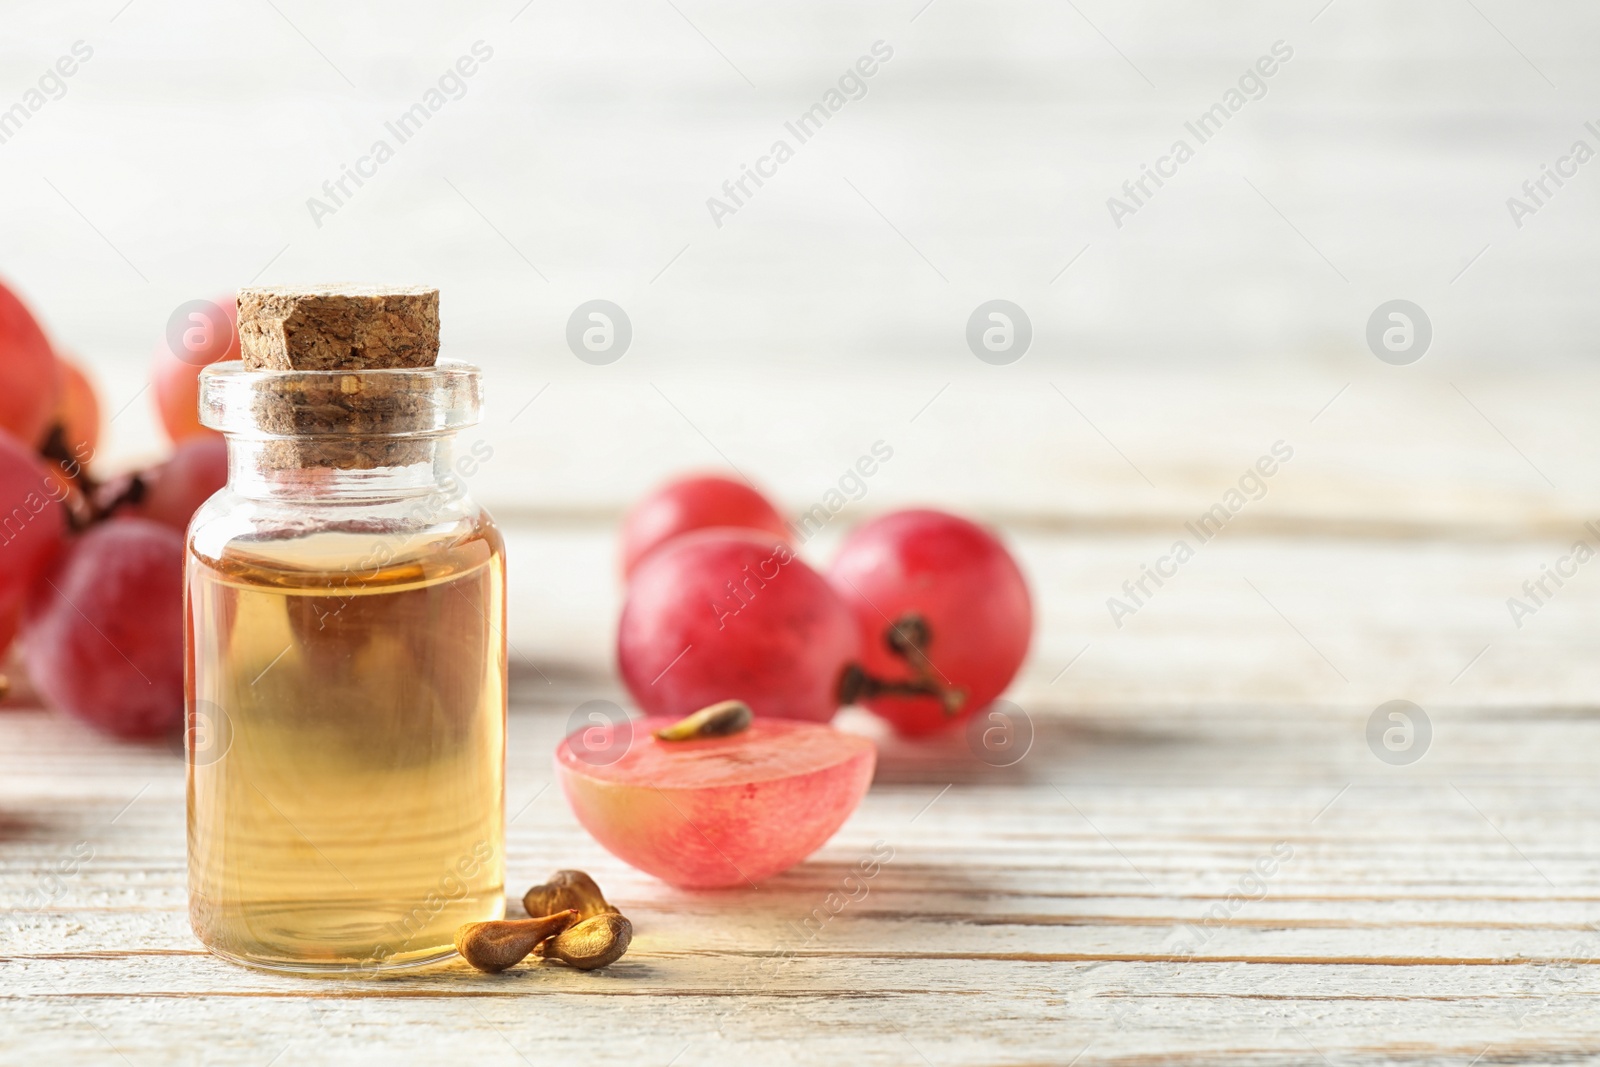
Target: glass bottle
x=345, y=614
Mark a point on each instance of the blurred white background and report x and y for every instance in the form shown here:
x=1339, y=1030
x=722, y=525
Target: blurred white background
x=830, y=310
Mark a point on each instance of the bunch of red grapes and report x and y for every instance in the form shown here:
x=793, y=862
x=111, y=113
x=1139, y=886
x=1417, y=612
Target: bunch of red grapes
x=923, y=617
x=91, y=570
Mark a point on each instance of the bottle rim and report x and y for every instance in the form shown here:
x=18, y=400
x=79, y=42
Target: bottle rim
x=296, y=404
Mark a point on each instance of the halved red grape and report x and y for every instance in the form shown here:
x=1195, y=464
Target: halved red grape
x=734, y=615
x=695, y=503
x=939, y=600
x=33, y=523
x=103, y=631
x=723, y=811
x=207, y=333
x=176, y=489
x=30, y=378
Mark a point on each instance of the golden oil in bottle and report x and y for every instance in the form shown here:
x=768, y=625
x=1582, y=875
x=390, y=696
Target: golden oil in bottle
x=346, y=792
x=346, y=654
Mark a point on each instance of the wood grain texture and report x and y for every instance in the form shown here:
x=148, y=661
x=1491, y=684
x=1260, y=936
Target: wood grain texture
x=1093, y=901
x=789, y=338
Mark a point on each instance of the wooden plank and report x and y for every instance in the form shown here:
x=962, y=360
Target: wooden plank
x=1028, y=915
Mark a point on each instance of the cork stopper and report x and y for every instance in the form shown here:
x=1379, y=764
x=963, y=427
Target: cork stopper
x=352, y=335
x=338, y=327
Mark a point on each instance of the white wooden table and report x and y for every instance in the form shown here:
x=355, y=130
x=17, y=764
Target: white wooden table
x=1442, y=912
x=1092, y=903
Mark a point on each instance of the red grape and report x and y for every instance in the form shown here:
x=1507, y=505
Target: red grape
x=734, y=615
x=210, y=335
x=73, y=435
x=961, y=604
x=103, y=632
x=10, y=622
x=176, y=489
x=33, y=524
x=78, y=412
x=30, y=378
x=695, y=503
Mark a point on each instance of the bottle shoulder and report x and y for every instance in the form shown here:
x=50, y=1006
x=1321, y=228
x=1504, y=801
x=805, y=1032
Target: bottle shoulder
x=299, y=536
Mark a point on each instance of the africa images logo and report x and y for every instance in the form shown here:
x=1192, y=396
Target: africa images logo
x=1252, y=85
x=852, y=85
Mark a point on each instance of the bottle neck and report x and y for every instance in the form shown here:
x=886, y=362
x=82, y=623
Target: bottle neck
x=267, y=470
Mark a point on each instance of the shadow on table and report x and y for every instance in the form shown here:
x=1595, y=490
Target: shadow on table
x=17, y=826
x=1006, y=750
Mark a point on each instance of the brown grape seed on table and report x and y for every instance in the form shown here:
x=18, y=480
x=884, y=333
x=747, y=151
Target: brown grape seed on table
x=494, y=946
x=575, y=924
x=591, y=944
x=600, y=936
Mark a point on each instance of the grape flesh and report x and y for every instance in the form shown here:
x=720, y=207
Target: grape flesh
x=103, y=631
x=695, y=503
x=734, y=615
x=723, y=811
x=953, y=581
x=30, y=377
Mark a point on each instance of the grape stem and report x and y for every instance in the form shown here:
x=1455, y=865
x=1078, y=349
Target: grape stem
x=906, y=637
x=98, y=504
